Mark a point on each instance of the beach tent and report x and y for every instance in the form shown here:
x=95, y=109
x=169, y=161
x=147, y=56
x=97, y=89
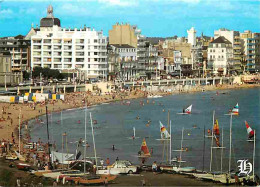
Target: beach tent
x=58, y=156
x=62, y=97
x=53, y=96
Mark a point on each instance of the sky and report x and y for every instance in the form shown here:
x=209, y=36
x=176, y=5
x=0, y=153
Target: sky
x=156, y=18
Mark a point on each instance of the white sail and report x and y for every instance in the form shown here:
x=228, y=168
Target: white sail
x=164, y=132
x=188, y=110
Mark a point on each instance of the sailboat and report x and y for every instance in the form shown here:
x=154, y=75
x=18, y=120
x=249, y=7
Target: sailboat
x=186, y=111
x=164, y=133
x=144, y=152
x=179, y=168
x=216, y=135
x=234, y=111
x=250, y=132
x=133, y=137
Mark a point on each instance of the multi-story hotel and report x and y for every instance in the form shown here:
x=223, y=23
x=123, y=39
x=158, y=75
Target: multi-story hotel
x=220, y=56
x=69, y=49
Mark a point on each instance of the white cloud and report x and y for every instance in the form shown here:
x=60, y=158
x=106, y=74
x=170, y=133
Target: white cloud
x=119, y=2
x=6, y=13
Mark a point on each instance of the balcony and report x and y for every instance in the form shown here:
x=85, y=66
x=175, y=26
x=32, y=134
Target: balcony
x=79, y=48
x=58, y=42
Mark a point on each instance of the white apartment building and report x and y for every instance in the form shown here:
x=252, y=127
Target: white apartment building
x=177, y=60
x=69, y=49
x=219, y=55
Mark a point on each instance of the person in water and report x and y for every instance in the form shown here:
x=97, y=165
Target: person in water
x=183, y=110
x=113, y=147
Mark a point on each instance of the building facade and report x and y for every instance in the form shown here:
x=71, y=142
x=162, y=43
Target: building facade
x=123, y=58
x=233, y=37
x=123, y=34
x=83, y=50
x=19, y=49
x=7, y=77
x=220, y=56
x=250, y=51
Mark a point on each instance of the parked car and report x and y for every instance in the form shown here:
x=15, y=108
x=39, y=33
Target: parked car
x=119, y=167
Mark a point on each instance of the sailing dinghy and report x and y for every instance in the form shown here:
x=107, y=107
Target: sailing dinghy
x=144, y=152
x=250, y=132
x=234, y=111
x=133, y=137
x=186, y=111
x=164, y=133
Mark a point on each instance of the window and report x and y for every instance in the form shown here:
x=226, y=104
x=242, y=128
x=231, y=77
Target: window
x=213, y=50
x=89, y=47
x=210, y=50
x=88, y=65
x=95, y=41
x=88, y=59
x=103, y=41
x=222, y=50
x=88, y=53
x=95, y=53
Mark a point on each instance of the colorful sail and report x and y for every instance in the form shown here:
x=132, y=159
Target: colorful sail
x=216, y=128
x=188, y=110
x=216, y=132
x=235, y=110
x=250, y=132
x=164, y=132
x=144, y=149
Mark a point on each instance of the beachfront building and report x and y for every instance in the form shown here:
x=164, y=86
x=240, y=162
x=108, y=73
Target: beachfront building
x=220, y=56
x=19, y=48
x=122, y=60
x=147, y=54
x=233, y=37
x=251, y=51
x=177, y=56
x=82, y=50
x=7, y=77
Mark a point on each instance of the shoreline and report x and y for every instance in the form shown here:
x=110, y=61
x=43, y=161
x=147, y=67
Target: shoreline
x=74, y=101
x=59, y=105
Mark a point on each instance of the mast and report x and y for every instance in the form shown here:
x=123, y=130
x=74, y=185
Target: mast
x=211, y=155
x=93, y=141
x=85, y=140
x=170, y=142
x=203, y=149
x=181, y=146
x=20, y=131
x=221, y=160
x=254, y=159
x=61, y=137
x=230, y=142
x=167, y=157
x=48, y=132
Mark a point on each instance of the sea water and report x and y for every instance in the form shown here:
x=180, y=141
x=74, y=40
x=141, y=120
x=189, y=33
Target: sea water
x=115, y=122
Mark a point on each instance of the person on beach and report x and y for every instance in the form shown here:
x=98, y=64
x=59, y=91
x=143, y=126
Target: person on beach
x=154, y=166
x=113, y=147
x=107, y=161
